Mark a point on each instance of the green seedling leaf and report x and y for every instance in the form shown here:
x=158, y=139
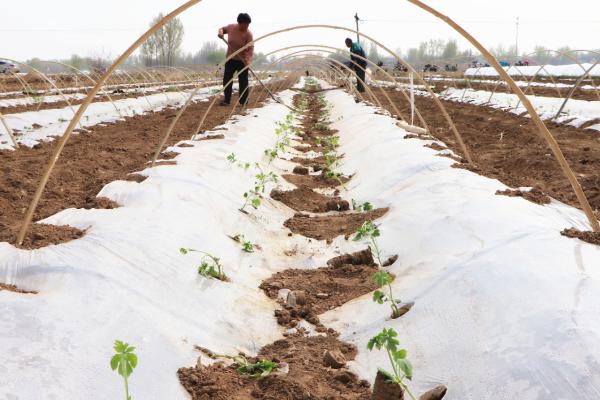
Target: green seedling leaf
x=124, y=362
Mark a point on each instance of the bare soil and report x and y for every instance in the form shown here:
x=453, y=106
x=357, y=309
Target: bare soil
x=579, y=94
x=590, y=237
x=317, y=364
x=314, y=181
x=74, y=102
x=331, y=226
x=324, y=288
x=15, y=289
x=306, y=199
x=89, y=161
x=507, y=147
x=535, y=195
x=308, y=378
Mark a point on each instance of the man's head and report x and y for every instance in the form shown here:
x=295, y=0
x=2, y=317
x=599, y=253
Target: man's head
x=348, y=42
x=244, y=21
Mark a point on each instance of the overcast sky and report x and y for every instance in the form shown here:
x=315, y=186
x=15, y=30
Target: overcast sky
x=52, y=29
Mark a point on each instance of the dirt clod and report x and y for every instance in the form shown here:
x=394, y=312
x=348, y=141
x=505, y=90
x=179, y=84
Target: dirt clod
x=363, y=257
x=436, y=393
x=300, y=170
x=586, y=236
x=329, y=227
x=385, y=390
x=535, y=195
x=334, y=359
x=15, y=289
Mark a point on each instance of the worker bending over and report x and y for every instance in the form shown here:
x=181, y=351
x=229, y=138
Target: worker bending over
x=358, y=64
x=238, y=35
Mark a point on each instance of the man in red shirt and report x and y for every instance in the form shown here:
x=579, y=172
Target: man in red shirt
x=238, y=35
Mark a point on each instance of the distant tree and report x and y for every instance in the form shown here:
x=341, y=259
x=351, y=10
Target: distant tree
x=34, y=63
x=76, y=61
x=164, y=46
x=215, y=57
x=450, y=50
x=373, y=55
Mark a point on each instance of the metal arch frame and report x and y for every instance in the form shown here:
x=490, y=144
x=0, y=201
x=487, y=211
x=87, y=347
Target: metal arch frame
x=408, y=66
x=284, y=58
x=89, y=78
x=326, y=49
x=542, y=128
x=210, y=107
x=69, y=130
x=61, y=94
x=63, y=140
x=330, y=50
x=316, y=62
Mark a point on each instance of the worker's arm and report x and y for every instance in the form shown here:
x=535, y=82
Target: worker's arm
x=222, y=32
x=249, y=52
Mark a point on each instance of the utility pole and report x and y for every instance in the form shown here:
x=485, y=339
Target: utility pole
x=517, y=41
x=357, y=31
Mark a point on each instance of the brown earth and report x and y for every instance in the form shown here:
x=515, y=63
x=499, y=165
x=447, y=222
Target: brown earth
x=331, y=226
x=535, y=195
x=317, y=364
x=590, y=237
x=306, y=199
x=324, y=288
x=579, y=94
x=308, y=378
x=74, y=102
x=13, y=288
x=507, y=147
x=89, y=161
x=314, y=181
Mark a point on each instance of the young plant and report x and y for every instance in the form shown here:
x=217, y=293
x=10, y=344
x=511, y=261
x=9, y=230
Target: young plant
x=257, y=370
x=401, y=366
x=233, y=160
x=370, y=231
x=247, y=246
x=382, y=279
x=253, y=197
x=124, y=362
x=210, y=266
x=366, y=206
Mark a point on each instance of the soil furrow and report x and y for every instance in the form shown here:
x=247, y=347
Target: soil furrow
x=89, y=161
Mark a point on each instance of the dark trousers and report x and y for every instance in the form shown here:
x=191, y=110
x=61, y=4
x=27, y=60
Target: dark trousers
x=361, y=76
x=231, y=67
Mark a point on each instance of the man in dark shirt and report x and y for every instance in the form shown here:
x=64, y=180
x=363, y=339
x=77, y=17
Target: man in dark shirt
x=359, y=65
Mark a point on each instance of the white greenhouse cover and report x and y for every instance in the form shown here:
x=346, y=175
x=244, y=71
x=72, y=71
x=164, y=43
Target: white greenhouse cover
x=505, y=307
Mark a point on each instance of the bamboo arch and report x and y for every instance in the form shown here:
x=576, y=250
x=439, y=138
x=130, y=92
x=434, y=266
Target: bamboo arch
x=387, y=74
x=210, y=107
x=63, y=140
x=543, y=130
x=330, y=50
x=438, y=102
x=319, y=58
x=183, y=109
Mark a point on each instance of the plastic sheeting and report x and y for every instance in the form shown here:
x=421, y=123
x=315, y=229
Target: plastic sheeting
x=505, y=307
